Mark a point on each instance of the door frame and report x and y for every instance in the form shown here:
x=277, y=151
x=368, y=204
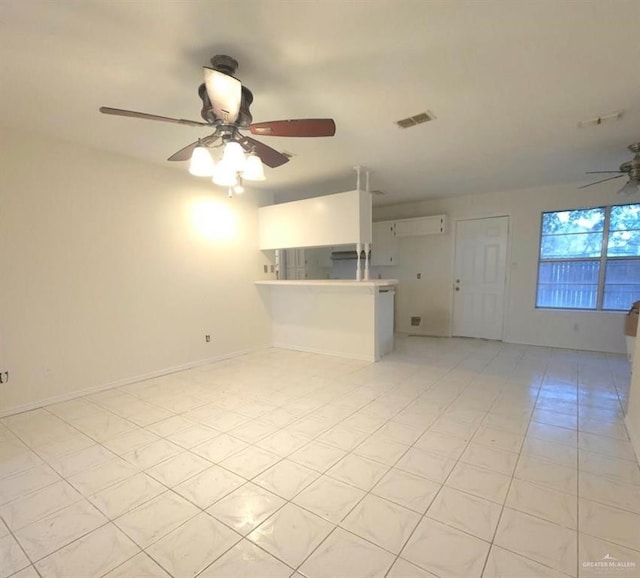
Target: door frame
x=507, y=270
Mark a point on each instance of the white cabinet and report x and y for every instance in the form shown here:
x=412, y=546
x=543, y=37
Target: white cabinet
x=385, y=245
x=421, y=226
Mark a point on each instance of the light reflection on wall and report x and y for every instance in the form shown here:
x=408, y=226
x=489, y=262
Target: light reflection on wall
x=214, y=219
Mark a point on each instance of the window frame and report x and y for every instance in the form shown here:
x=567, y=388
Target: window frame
x=603, y=259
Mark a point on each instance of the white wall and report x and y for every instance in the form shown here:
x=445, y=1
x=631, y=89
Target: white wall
x=112, y=270
x=433, y=256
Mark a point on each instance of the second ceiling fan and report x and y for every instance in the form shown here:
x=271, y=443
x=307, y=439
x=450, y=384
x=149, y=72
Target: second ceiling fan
x=225, y=109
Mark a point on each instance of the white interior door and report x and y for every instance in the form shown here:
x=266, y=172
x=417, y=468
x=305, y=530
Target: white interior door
x=479, y=277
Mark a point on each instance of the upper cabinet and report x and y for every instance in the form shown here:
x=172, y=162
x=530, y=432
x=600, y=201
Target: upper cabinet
x=384, y=248
x=421, y=226
x=340, y=219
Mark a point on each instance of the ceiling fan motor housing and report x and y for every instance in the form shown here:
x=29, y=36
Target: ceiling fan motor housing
x=227, y=65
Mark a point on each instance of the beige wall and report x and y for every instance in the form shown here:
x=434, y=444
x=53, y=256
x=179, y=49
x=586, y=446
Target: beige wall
x=113, y=270
x=433, y=256
x=632, y=419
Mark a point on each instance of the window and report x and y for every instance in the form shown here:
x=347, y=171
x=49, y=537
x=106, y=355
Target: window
x=590, y=258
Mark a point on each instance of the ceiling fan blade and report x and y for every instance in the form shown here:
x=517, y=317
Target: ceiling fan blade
x=184, y=154
x=306, y=127
x=269, y=156
x=602, y=181
x=225, y=94
x=601, y=172
x=144, y=115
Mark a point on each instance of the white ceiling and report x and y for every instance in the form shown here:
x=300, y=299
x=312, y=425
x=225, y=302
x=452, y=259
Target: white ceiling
x=507, y=80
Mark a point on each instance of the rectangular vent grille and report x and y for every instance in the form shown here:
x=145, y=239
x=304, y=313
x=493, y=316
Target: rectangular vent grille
x=415, y=321
x=415, y=120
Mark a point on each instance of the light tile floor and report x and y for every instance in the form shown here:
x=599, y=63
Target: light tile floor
x=448, y=458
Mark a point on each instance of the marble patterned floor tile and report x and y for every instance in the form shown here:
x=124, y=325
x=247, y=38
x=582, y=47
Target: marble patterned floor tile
x=403, y=569
x=608, y=491
x=192, y=436
x=126, y=495
x=246, y=560
x=610, y=524
x=619, y=470
x=140, y=566
x=499, y=438
x=343, y=437
x=382, y=522
x=494, y=459
x=444, y=446
x=329, y=498
x=150, y=521
x=209, y=486
x=598, y=558
x=130, y=441
x=479, y=482
x=611, y=447
x=425, y=464
x=557, y=507
x=408, y=490
x=318, y=456
x=70, y=463
x=553, y=476
x=219, y=448
x=246, y=507
x=476, y=516
x=12, y=557
x=286, y=478
x=252, y=431
x=23, y=483
x=547, y=451
x=31, y=508
x=291, y=534
x=28, y=572
x=381, y=450
x=538, y=540
x=344, y=554
x=250, y=462
x=58, y=529
x=92, y=481
x=446, y=551
x=504, y=564
x=178, y=468
x=151, y=454
x=190, y=548
x=357, y=471
x=170, y=425
x=283, y=443
x=92, y=555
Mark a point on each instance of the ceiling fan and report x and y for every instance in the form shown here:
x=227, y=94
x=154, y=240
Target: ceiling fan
x=630, y=168
x=225, y=109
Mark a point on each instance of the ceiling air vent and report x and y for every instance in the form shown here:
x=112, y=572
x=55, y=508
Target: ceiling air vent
x=415, y=120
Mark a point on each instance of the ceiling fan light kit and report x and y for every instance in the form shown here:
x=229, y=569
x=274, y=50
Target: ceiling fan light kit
x=225, y=109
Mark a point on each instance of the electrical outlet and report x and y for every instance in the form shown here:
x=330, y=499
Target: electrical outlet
x=266, y=268
x=418, y=275
x=4, y=377
x=207, y=338
x=273, y=268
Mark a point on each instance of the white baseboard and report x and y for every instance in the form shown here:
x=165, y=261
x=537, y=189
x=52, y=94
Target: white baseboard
x=325, y=352
x=125, y=381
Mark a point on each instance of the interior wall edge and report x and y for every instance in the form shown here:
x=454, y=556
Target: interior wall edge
x=126, y=381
